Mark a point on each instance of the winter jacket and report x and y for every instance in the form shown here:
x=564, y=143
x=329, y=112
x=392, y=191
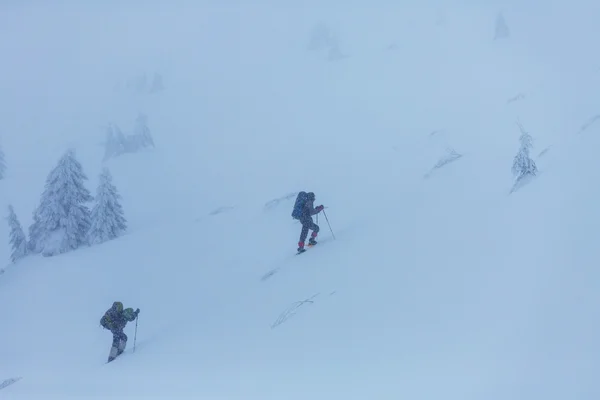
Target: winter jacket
x=309, y=209
x=115, y=318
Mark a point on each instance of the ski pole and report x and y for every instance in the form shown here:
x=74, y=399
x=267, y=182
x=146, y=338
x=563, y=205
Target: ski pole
x=135, y=336
x=327, y=219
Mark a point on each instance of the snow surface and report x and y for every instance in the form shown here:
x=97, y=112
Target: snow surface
x=440, y=284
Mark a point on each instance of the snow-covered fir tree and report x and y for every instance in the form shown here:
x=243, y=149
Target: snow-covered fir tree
x=142, y=132
x=2, y=164
x=108, y=220
x=35, y=233
x=523, y=164
x=116, y=142
x=62, y=219
x=320, y=37
x=18, y=240
x=502, y=30
x=138, y=84
x=157, y=83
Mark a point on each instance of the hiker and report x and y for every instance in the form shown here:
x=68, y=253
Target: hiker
x=115, y=319
x=303, y=211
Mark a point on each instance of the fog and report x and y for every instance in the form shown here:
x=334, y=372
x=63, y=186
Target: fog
x=490, y=294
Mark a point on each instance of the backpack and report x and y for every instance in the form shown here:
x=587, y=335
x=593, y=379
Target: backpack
x=299, y=205
x=129, y=314
x=105, y=321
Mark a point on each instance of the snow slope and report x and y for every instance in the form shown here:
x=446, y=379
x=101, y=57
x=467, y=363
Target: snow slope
x=439, y=284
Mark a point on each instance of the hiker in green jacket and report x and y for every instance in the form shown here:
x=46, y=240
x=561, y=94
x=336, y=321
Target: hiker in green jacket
x=115, y=319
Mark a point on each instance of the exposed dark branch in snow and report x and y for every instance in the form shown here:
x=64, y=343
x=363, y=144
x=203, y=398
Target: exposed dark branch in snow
x=291, y=311
x=518, y=97
x=448, y=158
x=589, y=123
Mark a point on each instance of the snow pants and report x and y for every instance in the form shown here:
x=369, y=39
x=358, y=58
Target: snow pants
x=118, y=344
x=308, y=224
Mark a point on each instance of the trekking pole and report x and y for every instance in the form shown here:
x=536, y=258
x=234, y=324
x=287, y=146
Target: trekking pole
x=327, y=219
x=135, y=336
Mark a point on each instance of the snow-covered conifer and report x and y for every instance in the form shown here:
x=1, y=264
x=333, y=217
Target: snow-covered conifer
x=157, y=83
x=108, y=220
x=62, y=219
x=523, y=164
x=35, y=233
x=2, y=164
x=142, y=132
x=116, y=142
x=320, y=37
x=502, y=30
x=18, y=240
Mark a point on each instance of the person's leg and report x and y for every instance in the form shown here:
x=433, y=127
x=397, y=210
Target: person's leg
x=115, y=346
x=122, y=342
x=315, y=231
x=303, y=233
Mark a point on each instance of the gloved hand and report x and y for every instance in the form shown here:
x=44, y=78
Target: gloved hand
x=137, y=312
x=320, y=208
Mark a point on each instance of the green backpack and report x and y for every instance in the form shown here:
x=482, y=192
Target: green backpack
x=106, y=321
x=129, y=314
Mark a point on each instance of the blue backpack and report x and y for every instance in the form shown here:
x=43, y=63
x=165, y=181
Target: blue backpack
x=299, y=205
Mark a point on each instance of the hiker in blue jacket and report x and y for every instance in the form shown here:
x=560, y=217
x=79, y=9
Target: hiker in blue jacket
x=303, y=211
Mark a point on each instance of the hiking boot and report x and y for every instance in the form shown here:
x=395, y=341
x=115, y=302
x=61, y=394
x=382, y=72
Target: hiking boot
x=301, y=248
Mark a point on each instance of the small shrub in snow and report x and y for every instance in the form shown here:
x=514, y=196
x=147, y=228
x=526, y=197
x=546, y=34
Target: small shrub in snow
x=108, y=220
x=62, y=219
x=18, y=240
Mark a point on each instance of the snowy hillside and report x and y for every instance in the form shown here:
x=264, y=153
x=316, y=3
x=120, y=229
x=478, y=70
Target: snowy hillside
x=444, y=279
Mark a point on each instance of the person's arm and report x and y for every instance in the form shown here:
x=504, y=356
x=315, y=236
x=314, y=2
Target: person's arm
x=131, y=315
x=312, y=210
